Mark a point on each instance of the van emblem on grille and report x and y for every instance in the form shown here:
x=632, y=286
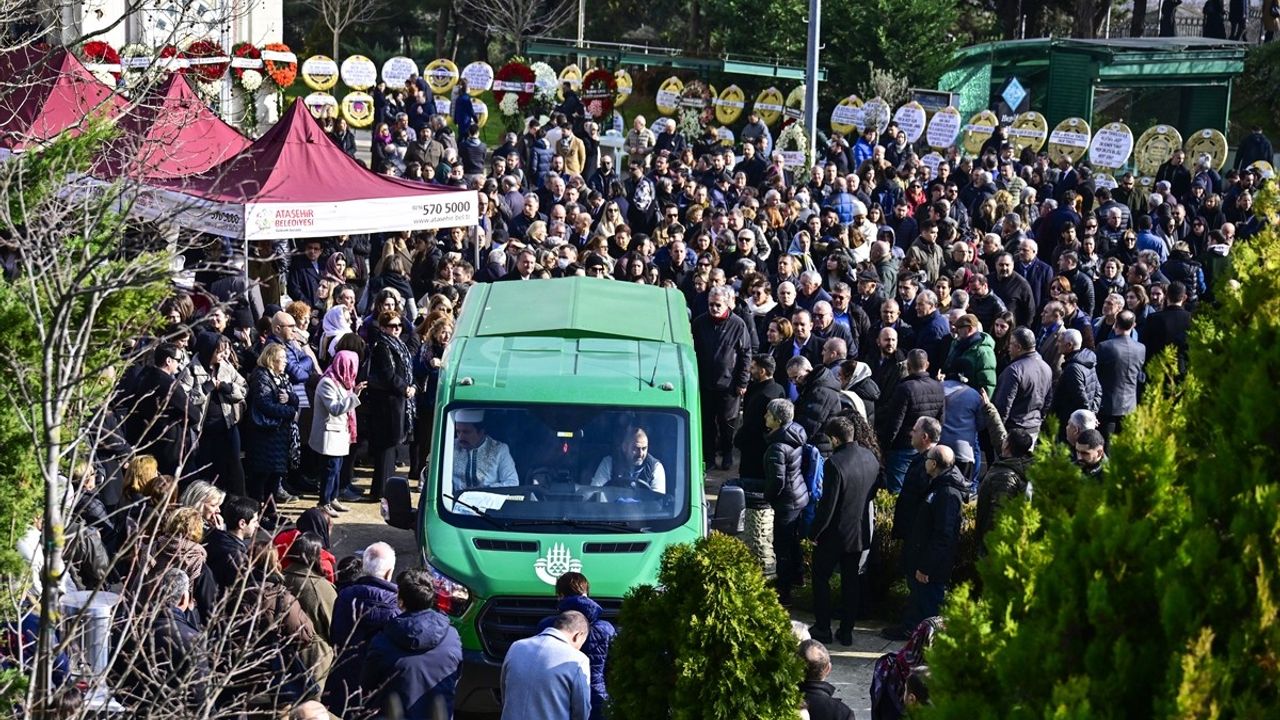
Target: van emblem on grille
x=557, y=562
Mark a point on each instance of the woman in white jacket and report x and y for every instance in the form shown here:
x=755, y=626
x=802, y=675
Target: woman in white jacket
x=333, y=426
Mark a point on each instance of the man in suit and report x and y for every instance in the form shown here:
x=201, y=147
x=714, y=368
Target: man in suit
x=750, y=437
x=546, y=677
x=1120, y=361
x=1168, y=328
x=841, y=528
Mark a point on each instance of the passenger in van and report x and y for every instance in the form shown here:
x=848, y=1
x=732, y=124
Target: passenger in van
x=479, y=461
x=632, y=465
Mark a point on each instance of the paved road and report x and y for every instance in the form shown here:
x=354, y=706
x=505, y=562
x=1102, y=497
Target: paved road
x=852, y=666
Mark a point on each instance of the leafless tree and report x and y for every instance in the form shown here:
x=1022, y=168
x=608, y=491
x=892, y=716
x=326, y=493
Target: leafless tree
x=515, y=20
x=338, y=15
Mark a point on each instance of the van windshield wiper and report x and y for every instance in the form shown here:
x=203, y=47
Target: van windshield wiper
x=580, y=524
x=479, y=512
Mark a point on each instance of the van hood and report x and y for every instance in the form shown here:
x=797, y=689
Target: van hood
x=528, y=563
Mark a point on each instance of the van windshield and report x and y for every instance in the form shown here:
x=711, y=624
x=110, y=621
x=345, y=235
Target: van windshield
x=575, y=468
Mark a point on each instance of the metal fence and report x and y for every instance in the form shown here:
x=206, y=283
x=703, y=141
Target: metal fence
x=1188, y=25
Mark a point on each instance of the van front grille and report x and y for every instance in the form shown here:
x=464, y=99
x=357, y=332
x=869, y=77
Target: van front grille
x=504, y=620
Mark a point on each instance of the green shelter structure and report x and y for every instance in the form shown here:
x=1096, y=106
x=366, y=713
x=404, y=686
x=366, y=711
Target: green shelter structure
x=1180, y=81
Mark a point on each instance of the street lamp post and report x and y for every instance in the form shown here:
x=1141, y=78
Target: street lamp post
x=811, y=77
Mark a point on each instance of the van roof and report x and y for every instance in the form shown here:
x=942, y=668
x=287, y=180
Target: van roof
x=597, y=341
x=579, y=307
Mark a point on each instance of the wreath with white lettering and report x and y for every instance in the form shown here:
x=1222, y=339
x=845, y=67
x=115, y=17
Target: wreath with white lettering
x=696, y=109
x=793, y=138
x=599, y=90
x=515, y=79
x=208, y=61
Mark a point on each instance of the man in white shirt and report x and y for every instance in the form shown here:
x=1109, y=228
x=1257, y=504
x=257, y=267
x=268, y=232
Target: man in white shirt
x=479, y=461
x=632, y=466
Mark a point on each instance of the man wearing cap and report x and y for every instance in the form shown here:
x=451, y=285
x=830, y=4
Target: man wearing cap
x=479, y=461
x=597, y=267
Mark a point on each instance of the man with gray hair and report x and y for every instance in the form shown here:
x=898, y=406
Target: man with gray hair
x=1078, y=387
x=825, y=327
x=1024, y=386
x=786, y=490
x=1120, y=362
x=722, y=345
x=1080, y=421
x=175, y=660
x=933, y=332
x=547, y=676
x=362, y=609
x=810, y=292
x=819, y=695
x=930, y=551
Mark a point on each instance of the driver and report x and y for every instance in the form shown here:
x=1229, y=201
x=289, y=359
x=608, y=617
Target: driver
x=632, y=465
x=479, y=461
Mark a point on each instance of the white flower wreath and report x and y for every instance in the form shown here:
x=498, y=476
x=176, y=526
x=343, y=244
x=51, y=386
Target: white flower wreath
x=510, y=104
x=545, y=82
x=251, y=80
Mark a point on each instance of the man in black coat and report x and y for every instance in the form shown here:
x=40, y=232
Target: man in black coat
x=160, y=414
x=228, y=549
x=819, y=398
x=750, y=437
x=1168, y=328
x=917, y=395
x=930, y=552
x=723, y=348
x=174, y=660
x=915, y=484
x=305, y=271
x=1014, y=290
x=819, y=695
x=841, y=528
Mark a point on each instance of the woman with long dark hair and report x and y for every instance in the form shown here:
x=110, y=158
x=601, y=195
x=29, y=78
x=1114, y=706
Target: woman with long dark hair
x=391, y=391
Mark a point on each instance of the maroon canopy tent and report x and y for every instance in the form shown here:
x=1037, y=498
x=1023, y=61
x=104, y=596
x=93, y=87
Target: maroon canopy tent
x=169, y=133
x=49, y=92
x=295, y=182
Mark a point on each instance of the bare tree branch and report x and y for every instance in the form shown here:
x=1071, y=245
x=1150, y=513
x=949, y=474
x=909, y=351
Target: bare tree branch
x=338, y=15
x=515, y=20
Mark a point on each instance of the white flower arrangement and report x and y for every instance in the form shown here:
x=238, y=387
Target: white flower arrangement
x=690, y=124
x=140, y=75
x=210, y=92
x=251, y=80
x=793, y=137
x=510, y=104
x=545, y=82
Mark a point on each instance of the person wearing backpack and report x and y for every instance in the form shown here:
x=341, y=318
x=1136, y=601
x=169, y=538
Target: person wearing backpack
x=786, y=491
x=841, y=528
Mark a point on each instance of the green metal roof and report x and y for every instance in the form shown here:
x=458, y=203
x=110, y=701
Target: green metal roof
x=578, y=307
x=584, y=340
x=620, y=54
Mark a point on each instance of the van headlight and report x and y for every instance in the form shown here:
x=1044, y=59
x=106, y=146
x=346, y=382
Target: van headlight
x=451, y=597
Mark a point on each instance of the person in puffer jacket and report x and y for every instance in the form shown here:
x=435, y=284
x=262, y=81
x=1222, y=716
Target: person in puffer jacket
x=572, y=588
x=786, y=490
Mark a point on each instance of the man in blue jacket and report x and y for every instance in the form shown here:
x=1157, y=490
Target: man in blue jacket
x=413, y=664
x=360, y=612
x=546, y=677
x=572, y=589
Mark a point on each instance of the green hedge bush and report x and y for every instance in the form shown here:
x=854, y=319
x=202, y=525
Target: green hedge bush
x=710, y=643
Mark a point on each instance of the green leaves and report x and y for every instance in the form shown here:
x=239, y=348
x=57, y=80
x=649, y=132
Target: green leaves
x=712, y=644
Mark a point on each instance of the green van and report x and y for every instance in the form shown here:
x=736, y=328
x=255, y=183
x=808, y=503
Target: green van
x=566, y=436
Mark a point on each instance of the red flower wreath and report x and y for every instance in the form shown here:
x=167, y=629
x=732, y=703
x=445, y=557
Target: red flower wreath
x=166, y=52
x=512, y=74
x=211, y=72
x=599, y=90
x=244, y=50
x=283, y=74
x=99, y=52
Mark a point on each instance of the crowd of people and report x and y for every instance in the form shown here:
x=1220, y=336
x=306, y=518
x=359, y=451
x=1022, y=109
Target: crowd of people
x=874, y=324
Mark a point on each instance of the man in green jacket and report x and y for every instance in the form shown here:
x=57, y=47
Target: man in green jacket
x=973, y=354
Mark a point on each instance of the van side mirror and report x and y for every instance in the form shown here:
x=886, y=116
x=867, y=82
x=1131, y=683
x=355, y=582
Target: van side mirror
x=731, y=511
x=397, y=504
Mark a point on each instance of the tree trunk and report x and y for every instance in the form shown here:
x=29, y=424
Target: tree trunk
x=1139, y=20
x=1082, y=23
x=335, y=45
x=442, y=30
x=51, y=544
x=1010, y=18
